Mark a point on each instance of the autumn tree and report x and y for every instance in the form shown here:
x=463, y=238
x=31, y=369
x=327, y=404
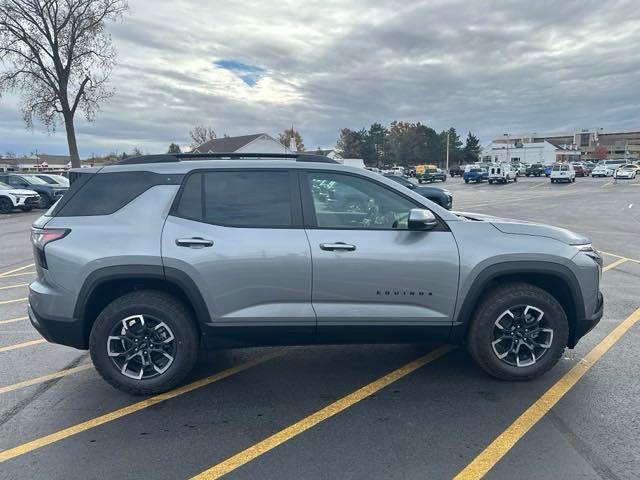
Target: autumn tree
x=200, y=134
x=600, y=152
x=58, y=56
x=286, y=136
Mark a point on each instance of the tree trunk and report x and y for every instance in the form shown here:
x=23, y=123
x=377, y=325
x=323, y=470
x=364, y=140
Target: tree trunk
x=71, y=140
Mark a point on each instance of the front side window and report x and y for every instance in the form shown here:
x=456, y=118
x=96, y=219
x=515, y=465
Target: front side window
x=350, y=202
x=238, y=198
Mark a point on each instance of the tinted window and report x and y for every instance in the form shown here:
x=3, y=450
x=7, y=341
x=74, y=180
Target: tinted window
x=346, y=201
x=238, y=198
x=105, y=193
x=190, y=205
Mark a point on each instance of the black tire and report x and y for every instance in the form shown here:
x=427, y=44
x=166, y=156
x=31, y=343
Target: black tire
x=157, y=305
x=515, y=179
x=444, y=179
x=552, y=180
x=491, y=182
x=45, y=202
x=506, y=297
x=466, y=181
x=526, y=174
x=6, y=205
x=420, y=180
x=26, y=209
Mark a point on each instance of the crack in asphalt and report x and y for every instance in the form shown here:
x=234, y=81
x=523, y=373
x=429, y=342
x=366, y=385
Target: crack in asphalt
x=581, y=447
x=40, y=390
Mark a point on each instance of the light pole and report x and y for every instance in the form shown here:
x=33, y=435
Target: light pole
x=508, y=162
x=447, y=167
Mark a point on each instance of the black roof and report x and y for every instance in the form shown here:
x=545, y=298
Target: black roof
x=167, y=158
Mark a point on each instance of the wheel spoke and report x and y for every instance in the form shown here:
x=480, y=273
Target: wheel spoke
x=531, y=361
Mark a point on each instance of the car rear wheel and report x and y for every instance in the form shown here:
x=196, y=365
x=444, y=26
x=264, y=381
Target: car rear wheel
x=144, y=342
x=5, y=205
x=518, y=332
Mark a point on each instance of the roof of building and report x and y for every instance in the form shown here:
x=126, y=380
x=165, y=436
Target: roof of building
x=228, y=144
x=54, y=159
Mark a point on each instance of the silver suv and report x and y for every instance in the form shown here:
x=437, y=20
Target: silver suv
x=145, y=262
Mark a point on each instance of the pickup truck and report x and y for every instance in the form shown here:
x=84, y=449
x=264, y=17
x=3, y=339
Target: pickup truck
x=475, y=174
x=535, y=170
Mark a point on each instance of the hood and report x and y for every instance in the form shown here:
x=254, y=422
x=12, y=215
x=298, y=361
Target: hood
x=21, y=191
x=520, y=227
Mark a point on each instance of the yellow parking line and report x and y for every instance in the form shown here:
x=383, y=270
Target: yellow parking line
x=121, y=412
x=620, y=256
x=11, y=320
x=44, y=378
x=16, y=270
x=618, y=262
x=14, y=286
x=314, y=419
x=21, y=345
x=15, y=300
x=17, y=275
x=497, y=449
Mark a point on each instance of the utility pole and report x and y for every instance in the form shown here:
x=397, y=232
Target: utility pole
x=508, y=162
x=447, y=169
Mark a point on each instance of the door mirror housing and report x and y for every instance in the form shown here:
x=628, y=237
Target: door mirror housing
x=421, y=219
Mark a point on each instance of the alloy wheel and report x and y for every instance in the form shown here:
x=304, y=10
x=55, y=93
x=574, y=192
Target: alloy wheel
x=522, y=335
x=141, y=347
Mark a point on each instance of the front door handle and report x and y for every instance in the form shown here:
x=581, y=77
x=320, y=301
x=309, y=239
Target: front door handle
x=194, y=242
x=337, y=246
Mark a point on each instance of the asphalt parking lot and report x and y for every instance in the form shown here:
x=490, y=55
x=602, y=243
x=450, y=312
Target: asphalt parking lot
x=373, y=411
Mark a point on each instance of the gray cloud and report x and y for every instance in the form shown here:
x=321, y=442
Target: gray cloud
x=488, y=67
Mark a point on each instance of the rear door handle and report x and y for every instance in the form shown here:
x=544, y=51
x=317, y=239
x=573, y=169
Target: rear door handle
x=337, y=246
x=194, y=242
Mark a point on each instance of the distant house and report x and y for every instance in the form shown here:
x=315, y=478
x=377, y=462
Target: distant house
x=256, y=143
x=40, y=163
x=330, y=153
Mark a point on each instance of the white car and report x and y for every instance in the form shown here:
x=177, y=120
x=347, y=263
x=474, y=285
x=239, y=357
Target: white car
x=563, y=172
x=11, y=198
x=602, y=171
x=627, y=172
x=502, y=174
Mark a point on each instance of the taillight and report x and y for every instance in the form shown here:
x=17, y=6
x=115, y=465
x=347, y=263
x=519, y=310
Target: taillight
x=40, y=237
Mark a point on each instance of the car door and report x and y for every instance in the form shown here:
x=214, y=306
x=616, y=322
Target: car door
x=238, y=235
x=369, y=269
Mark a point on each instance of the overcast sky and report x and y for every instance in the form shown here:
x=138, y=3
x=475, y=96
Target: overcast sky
x=247, y=67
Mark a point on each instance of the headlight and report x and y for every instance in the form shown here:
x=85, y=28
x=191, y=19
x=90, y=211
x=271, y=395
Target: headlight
x=591, y=252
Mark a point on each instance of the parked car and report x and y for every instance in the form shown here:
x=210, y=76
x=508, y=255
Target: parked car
x=628, y=171
x=535, y=170
x=12, y=198
x=397, y=171
x=431, y=175
x=456, y=170
x=52, y=179
x=502, y=174
x=547, y=170
x=563, y=172
x=602, y=171
x=442, y=197
x=522, y=169
x=225, y=253
x=475, y=174
x=49, y=194
x=579, y=169
x=589, y=166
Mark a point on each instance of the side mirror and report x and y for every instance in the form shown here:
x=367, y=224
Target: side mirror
x=421, y=219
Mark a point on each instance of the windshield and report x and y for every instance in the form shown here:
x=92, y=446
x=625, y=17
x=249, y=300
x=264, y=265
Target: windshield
x=48, y=180
x=4, y=186
x=33, y=179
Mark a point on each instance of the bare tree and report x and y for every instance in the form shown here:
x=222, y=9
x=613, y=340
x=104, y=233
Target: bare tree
x=287, y=135
x=201, y=134
x=600, y=152
x=58, y=55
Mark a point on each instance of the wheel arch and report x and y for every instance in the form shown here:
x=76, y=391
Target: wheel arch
x=556, y=279
x=106, y=284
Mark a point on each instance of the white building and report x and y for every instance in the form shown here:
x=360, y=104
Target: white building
x=256, y=143
x=40, y=163
x=545, y=152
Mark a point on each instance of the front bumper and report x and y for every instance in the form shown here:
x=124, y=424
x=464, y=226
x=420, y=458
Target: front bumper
x=585, y=325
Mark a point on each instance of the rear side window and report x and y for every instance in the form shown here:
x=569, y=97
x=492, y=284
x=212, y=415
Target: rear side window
x=106, y=193
x=238, y=198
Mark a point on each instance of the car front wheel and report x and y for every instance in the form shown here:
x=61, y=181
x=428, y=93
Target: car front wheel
x=144, y=342
x=519, y=331
x=5, y=205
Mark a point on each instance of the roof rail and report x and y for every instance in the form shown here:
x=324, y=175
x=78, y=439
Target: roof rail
x=177, y=157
